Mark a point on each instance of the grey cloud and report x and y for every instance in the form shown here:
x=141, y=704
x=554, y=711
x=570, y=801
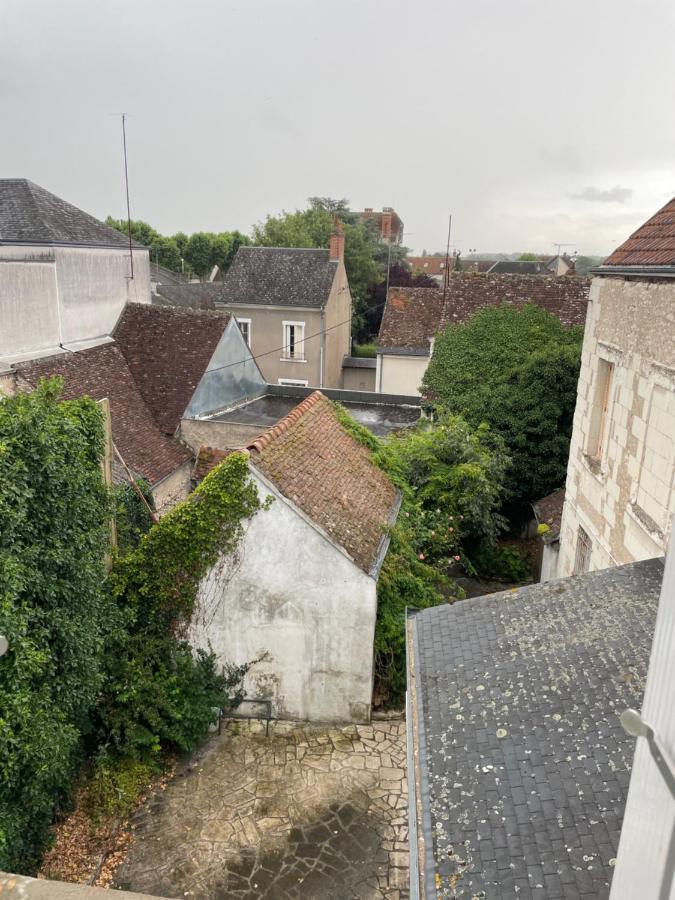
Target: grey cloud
x=598, y=195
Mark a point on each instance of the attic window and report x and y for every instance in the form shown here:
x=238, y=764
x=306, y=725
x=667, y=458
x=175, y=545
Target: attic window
x=294, y=337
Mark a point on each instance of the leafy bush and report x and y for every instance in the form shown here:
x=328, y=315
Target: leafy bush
x=505, y=562
x=114, y=785
x=54, y=609
x=517, y=370
x=364, y=351
x=132, y=517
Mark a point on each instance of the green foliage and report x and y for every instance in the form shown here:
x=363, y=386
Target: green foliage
x=505, y=562
x=54, y=608
x=517, y=370
x=364, y=351
x=426, y=537
x=157, y=694
x=132, y=517
x=529, y=257
x=200, y=251
x=365, y=256
x=114, y=785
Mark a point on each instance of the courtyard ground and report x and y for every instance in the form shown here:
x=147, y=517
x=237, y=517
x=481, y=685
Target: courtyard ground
x=307, y=812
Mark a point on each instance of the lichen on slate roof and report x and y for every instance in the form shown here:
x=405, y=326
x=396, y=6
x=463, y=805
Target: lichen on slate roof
x=522, y=757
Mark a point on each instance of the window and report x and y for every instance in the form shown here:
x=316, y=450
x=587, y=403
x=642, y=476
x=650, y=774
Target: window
x=655, y=479
x=295, y=382
x=582, y=557
x=294, y=337
x=597, y=437
x=245, y=328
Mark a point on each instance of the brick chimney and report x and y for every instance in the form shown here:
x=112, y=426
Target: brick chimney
x=337, y=241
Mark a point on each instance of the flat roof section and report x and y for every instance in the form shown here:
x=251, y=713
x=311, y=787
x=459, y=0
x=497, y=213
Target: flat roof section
x=379, y=418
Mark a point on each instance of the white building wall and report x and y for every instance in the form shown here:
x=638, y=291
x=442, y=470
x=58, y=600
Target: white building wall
x=645, y=866
x=400, y=374
x=291, y=593
x=58, y=295
x=624, y=500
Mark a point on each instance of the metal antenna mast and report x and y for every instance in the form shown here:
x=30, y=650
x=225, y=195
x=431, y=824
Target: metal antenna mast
x=126, y=179
x=447, y=260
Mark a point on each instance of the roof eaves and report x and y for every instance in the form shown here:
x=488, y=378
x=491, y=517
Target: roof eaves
x=385, y=540
x=636, y=271
x=419, y=813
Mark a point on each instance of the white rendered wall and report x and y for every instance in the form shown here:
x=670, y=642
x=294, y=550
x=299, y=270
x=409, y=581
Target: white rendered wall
x=401, y=374
x=291, y=593
x=645, y=866
x=59, y=295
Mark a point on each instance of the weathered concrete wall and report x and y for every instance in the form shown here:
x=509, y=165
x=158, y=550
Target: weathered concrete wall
x=19, y=887
x=173, y=489
x=358, y=379
x=221, y=435
x=549, y=561
x=401, y=374
x=338, y=325
x=94, y=286
x=291, y=593
x=624, y=500
x=267, y=337
x=58, y=295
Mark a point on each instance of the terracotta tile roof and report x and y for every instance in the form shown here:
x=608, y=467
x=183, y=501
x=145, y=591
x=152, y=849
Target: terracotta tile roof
x=207, y=459
x=413, y=315
x=653, y=244
x=167, y=350
x=319, y=466
x=103, y=372
x=548, y=511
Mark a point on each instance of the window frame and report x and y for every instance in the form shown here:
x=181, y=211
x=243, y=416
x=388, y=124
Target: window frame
x=246, y=322
x=287, y=324
x=292, y=382
x=583, y=552
x=602, y=404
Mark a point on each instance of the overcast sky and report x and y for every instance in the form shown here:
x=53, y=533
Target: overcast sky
x=532, y=122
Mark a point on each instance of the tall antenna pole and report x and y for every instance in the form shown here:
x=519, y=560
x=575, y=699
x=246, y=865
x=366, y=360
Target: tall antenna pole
x=447, y=261
x=126, y=179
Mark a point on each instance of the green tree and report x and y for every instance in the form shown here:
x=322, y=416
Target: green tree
x=528, y=257
x=54, y=609
x=365, y=256
x=517, y=370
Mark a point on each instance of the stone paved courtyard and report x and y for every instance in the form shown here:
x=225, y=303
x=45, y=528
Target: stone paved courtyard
x=307, y=813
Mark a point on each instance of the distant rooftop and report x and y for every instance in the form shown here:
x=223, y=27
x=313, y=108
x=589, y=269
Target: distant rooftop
x=523, y=765
x=653, y=244
x=279, y=276
x=412, y=316
x=29, y=214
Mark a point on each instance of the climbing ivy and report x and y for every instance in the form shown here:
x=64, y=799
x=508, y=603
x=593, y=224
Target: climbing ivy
x=158, y=695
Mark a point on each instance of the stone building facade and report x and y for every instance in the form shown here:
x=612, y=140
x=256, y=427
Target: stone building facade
x=620, y=498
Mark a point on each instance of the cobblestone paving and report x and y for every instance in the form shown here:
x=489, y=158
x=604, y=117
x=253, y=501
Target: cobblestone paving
x=306, y=813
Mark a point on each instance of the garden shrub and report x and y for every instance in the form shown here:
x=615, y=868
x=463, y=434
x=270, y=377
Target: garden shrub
x=504, y=562
x=54, y=609
x=132, y=516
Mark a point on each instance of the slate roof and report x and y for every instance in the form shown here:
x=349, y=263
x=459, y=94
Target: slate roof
x=188, y=296
x=653, y=244
x=279, y=276
x=412, y=316
x=548, y=511
x=168, y=350
x=523, y=765
x=103, y=372
x=31, y=215
x=311, y=458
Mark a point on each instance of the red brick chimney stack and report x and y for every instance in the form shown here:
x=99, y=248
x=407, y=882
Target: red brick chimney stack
x=337, y=241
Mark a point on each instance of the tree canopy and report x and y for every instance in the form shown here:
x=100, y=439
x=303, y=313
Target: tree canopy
x=197, y=254
x=517, y=370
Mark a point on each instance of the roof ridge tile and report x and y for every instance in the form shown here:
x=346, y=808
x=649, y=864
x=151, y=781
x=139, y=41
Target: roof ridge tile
x=275, y=431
